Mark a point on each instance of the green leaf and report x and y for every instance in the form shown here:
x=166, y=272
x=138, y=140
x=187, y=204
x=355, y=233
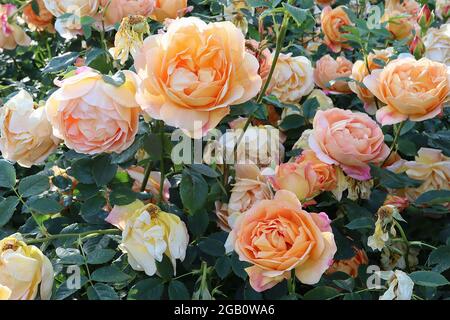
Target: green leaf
x=63, y=290
x=103, y=170
x=428, y=279
x=33, y=185
x=310, y=108
x=205, y=170
x=178, y=291
x=299, y=15
x=321, y=293
x=393, y=180
x=82, y=171
x=258, y=3
x=101, y=291
x=165, y=268
x=148, y=289
x=198, y=223
x=434, y=197
x=122, y=196
x=45, y=205
x=361, y=223
x=193, y=191
x=92, y=210
x=212, y=247
x=440, y=258
x=153, y=146
x=292, y=121
x=110, y=274
x=7, y=208
x=238, y=267
x=440, y=140
x=69, y=256
x=223, y=267
x=100, y=256
x=7, y=174
x=61, y=62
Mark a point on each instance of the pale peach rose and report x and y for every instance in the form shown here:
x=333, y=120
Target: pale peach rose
x=250, y=187
x=70, y=26
x=25, y=132
x=430, y=166
x=93, y=116
x=23, y=271
x=153, y=185
x=306, y=177
x=437, y=44
x=411, y=89
x=41, y=21
x=292, y=78
x=11, y=35
x=361, y=69
x=222, y=216
x=277, y=236
x=327, y=69
x=171, y=9
x=332, y=21
x=350, y=266
x=192, y=74
x=264, y=57
x=149, y=234
x=349, y=139
x=116, y=10
x=401, y=18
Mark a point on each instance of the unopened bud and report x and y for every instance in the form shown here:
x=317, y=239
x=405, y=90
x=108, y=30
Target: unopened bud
x=417, y=48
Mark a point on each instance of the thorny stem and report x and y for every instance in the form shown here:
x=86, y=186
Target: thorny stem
x=161, y=165
x=40, y=225
x=394, y=143
x=73, y=235
x=405, y=240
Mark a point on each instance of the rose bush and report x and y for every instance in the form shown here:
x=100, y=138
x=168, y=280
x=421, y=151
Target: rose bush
x=173, y=149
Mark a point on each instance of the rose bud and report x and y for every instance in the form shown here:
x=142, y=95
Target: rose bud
x=417, y=48
x=425, y=17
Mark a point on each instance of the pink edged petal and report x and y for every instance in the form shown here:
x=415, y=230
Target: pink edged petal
x=387, y=116
x=318, y=151
x=120, y=214
x=322, y=221
x=427, y=116
x=311, y=271
x=371, y=83
x=359, y=173
x=261, y=282
x=288, y=197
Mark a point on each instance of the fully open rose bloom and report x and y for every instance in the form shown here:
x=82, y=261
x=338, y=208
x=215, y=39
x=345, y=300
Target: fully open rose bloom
x=11, y=35
x=411, y=89
x=116, y=10
x=307, y=176
x=332, y=21
x=327, y=69
x=149, y=234
x=277, y=236
x=70, y=26
x=192, y=74
x=93, y=116
x=25, y=132
x=171, y=9
x=43, y=20
x=349, y=139
x=437, y=44
x=360, y=71
x=23, y=269
x=292, y=78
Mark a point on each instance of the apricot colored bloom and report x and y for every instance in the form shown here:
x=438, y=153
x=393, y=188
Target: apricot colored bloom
x=43, y=20
x=350, y=266
x=193, y=73
x=360, y=71
x=23, y=270
x=93, y=116
x=115, y=10
x=327, y=69
x=349, y=139
x=437, y=44
x=324, y=2
x=399, y=202
x=292, y=78
x=332, y=21
x=264, y=57
x=169, y=9
x=11, y=35
x=137, y=173
x=411, y=89
x=306, y=177
x=25, y=132
x=401, y=18
x=149, y=234
x=277, y=236
x=68, y=15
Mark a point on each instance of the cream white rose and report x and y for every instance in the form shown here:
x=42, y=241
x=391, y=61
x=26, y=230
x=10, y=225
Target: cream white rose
x=437, y=44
